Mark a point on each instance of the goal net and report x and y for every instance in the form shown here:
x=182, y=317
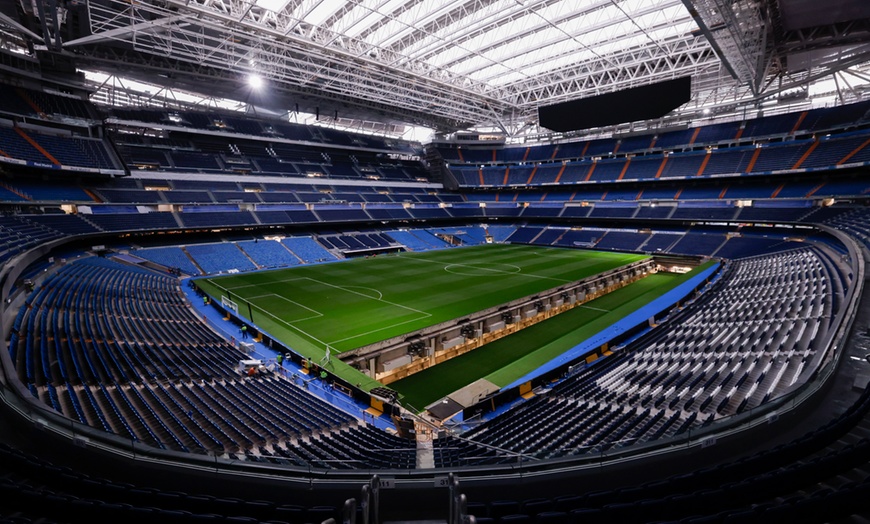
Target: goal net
x=229, y=304
x=326, y=356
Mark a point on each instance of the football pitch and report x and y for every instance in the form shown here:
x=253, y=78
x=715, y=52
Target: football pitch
x=358, y=302
x=510, y=358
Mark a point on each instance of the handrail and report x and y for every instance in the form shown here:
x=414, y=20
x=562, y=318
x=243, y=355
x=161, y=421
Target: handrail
x=452, y=501
x=375, y=506
x=348, y=512
x=458, y=503
x=364, y=502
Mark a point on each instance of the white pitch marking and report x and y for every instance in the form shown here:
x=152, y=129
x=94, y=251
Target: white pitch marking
x=375, y=330
x=597, y=309
x=470, y=266
x=380, y=295
x=291, y=326
x=262, y=285
x=317, y=314
x=448, y=268
x=368, y=297
x=424, y=313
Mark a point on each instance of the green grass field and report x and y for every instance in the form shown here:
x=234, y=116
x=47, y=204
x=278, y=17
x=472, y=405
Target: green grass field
x=357, y=302
x=507, y=359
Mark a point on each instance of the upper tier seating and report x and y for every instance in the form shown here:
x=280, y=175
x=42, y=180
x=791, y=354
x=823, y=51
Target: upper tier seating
x=136, y=156
x=212, y=154
x=186, y=161
x=41, y=104
x=240, y=124
x=48, y=149
x=340, y=213
x=212, y=216
x=836, y=118
x=736, y=161
x=16, y=146
x=832, y=184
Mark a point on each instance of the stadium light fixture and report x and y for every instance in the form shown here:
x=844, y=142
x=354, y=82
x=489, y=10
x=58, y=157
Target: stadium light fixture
x=255, y=81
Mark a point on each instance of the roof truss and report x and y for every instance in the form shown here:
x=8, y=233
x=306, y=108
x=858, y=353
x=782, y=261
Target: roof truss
x=448, y=64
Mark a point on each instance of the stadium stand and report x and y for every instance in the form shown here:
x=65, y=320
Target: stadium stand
x=525, y=235
x=118, y=220
x=499, y=233
x=16, y=236
x=661, y=241
x=116, y=348
x=191, y=399
x=65, y=224
x=268, y=253
x=206, y=217
x=60, y=191
x=169, y=257
x=698, y=243
x=728, y=157
x=711, y=364
x=622, y=240
x=218, y=258
x=308, y=249
x=16, y=146
x=330, y=213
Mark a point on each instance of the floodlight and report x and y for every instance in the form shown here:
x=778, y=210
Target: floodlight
x=255, y=81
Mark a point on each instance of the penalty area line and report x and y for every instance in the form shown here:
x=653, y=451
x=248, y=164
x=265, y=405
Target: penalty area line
x=379, y=329
x=317, y=314
x=348, y=290
x=294, y=328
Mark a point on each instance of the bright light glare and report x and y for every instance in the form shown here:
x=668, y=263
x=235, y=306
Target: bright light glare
x=272, y=5
x=255, y=81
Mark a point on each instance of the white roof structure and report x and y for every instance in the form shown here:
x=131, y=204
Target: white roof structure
x=456, y=64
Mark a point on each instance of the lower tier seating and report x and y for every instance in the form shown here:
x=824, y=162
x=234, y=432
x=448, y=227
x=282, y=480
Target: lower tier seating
x=763, y=331
x=117, y=348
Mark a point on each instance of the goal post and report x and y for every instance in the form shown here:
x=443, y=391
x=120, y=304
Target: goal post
x=229, y=304
x=326, y=356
